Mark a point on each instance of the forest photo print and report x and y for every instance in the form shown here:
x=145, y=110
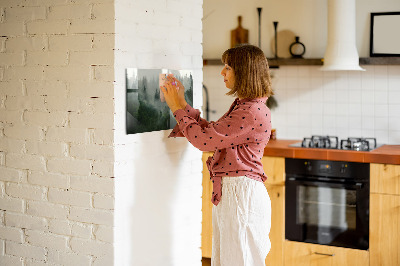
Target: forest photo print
x=145, y=112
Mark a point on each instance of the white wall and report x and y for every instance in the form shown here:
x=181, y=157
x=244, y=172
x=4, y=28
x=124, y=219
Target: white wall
x=158, y=180
x=344, y=103
x=56, y=132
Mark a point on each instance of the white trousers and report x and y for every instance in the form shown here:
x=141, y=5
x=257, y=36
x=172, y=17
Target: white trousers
x=241, y=223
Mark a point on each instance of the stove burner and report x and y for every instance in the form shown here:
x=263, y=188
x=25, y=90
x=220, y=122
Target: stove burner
x=332, y=142
x=328, y=142
x=358, y=144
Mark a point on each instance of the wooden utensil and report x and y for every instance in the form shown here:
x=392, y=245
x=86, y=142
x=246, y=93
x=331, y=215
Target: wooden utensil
x=239, y=35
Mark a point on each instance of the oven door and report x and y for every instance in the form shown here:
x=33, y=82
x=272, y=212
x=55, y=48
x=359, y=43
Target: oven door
x=327, y=213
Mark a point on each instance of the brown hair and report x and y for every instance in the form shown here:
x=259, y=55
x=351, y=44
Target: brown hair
x=250, y=66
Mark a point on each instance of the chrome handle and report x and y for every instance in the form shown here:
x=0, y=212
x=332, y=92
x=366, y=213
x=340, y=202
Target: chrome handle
x=324, y=254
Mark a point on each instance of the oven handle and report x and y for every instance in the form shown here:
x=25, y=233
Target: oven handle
x=357, y=185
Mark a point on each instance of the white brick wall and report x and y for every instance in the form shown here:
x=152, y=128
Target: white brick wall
x=56, y=132
x=158, y=180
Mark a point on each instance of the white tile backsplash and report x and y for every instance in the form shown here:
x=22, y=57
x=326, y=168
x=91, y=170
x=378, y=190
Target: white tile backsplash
x=345, y=103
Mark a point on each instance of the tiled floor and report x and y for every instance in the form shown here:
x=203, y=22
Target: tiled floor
x=206, y=261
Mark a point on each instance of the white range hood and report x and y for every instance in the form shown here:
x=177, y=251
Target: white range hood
x=341, y=51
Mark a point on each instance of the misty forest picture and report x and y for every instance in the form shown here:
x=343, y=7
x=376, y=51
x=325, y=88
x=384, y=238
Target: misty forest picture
x=145, y=112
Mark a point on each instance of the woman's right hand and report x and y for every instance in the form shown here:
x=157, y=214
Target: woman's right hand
x=181, y=91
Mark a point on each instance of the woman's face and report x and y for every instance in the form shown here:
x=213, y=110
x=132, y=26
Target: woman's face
x=229, y=76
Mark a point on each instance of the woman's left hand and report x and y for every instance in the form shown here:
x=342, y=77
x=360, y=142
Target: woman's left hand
x=171, y=94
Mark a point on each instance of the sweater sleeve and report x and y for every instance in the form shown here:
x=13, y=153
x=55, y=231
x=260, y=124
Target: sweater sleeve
x=229, y=131
x=193, y=113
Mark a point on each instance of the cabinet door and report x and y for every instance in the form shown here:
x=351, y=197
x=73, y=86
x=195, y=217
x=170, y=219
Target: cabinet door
x=206, y=226
x=384, y=229
x=385, y=178
x=304, y=254
x=277, y=233
x=274, y=168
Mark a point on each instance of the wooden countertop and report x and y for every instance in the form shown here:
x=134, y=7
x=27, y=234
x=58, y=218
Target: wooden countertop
x=389, y=154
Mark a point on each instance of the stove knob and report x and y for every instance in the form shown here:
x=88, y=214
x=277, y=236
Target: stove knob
x=308, y=166
x=343, y=168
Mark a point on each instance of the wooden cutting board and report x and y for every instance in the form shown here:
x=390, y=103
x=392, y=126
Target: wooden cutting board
x=239, y=35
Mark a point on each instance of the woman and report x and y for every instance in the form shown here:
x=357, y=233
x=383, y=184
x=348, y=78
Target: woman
x=242, y=208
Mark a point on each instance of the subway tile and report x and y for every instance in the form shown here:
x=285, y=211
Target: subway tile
x=355, y=122
x=394, y=123
x=355, y=132
x=304, y=72
x=381, y=84
x=394, y=70
x=342, y=109
x=382, y=136
x=394, y=83
x=394, y=97
x=342, y=96
x=394, y=110
x=292, y=82
x=355, y=109
x=382, y=110
x=368, y=122
x=367, y=96
x=380, y=71
x=394, y=137
x=291, y=71
x=381, y=97
x=367, y=133
x=342, y=122
x=367, y=110
x=355, y=96
x=381, y=123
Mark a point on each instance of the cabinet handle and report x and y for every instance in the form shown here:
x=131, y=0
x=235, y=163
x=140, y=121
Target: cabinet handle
x=324, y=254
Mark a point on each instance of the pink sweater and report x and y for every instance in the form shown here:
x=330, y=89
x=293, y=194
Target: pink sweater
x=238, y=139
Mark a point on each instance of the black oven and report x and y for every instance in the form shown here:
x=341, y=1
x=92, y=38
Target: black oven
x=327, y=202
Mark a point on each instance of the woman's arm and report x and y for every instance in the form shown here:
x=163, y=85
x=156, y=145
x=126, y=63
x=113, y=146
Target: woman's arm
x=239, y=127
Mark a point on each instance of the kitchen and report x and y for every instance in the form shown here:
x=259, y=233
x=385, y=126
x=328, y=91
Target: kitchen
x=315, y=103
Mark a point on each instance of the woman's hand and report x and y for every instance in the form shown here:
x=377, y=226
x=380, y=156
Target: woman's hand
x=181, y=92
x=171, y=94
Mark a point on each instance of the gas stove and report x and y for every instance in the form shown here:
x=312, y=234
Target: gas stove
x=332, y=142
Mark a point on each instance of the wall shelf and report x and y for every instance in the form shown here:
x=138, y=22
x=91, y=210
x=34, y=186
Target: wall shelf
x=380, y=61
x=274, y=63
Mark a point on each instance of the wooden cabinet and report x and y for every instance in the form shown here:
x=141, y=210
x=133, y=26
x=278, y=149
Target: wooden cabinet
x=304, y=254
x=206, y=226
x=385, y=215
x=274, y=168
x=277, y=233
x=385, y=178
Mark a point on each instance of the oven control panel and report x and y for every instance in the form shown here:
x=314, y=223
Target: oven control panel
x=337, y=169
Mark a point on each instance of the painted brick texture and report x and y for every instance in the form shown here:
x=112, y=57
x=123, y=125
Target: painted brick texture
x=56, y=132
x=157, y=180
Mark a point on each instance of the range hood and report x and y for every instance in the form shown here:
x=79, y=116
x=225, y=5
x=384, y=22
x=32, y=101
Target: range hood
x=341, y=51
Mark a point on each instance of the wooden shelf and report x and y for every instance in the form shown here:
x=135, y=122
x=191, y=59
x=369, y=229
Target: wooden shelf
x=274, y=63
x=380, y=61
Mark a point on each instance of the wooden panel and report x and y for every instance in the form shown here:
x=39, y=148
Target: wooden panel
x=384, y=229
x=274, y=168
x=206, y=226
x=304, y=254
x=277, y=233
x=385, y=178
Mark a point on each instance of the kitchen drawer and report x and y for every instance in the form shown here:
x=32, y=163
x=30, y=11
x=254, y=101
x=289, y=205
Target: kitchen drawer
x=305, y=254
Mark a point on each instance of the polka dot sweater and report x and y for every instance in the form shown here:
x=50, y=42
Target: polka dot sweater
x=238, y=139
